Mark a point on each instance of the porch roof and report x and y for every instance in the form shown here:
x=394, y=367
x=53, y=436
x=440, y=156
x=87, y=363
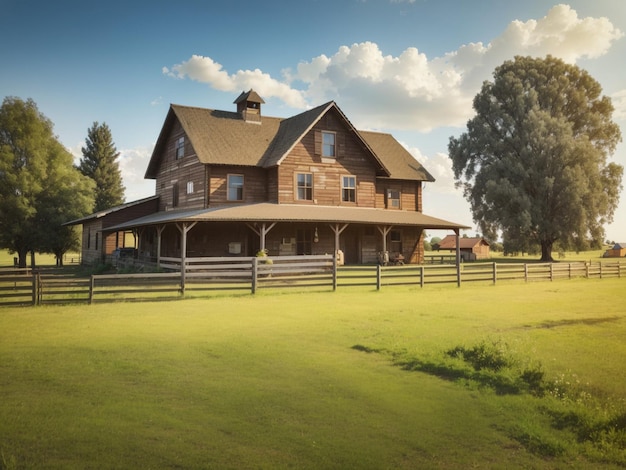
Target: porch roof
x=269, y=212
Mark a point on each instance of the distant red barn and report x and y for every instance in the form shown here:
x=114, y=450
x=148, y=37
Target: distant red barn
x=471, y=248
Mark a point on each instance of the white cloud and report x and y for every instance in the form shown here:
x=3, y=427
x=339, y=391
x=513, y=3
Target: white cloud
x=619, y=103
x=411, y=91
x=206, y=70
x=133, y=164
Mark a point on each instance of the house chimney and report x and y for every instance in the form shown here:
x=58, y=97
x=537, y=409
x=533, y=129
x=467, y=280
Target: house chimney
x=249, y=106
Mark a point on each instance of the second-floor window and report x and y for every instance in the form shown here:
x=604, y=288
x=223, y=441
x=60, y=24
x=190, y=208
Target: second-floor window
x=180, y=147
x=393, y=199
x=235, y=187
x=348, y=188
x=328, y=144
x=304, y=186
x=189, y=187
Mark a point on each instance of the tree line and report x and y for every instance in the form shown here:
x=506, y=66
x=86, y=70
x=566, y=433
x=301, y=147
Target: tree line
x=41, y=188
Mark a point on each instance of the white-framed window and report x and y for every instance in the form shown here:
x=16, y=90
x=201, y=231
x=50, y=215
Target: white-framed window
x=329, y=144
x=235, y=188
x=393, y=199
x=189, y=187
x=180, y=147
x=304, y=186
x=348, y=188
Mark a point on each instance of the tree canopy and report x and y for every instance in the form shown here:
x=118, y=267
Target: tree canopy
x=39, y=185
x=534, y=160
x=100, y=163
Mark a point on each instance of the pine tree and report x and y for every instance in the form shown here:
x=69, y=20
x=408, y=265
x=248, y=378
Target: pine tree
x=100, y=163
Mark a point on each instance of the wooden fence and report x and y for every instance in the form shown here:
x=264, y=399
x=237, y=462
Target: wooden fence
x=202, y=275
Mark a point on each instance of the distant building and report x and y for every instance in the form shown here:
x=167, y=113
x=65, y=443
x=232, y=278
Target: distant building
x=471, y=248
x=618, y=251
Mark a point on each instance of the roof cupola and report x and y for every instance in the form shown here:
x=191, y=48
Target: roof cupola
x=249, y=106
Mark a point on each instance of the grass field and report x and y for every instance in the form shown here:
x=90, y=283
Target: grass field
x=507, y=376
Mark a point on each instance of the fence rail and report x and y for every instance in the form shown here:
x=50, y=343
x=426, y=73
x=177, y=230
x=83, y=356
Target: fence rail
x=26, y=287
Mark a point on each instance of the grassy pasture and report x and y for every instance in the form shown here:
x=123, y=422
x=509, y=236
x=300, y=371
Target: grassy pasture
x=351, y=379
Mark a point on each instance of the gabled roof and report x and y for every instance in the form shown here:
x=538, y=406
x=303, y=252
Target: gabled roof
x=449, y=242
x=224, y=138
x=398, y=161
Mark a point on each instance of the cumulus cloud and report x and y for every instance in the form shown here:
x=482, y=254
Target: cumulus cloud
x=411, y=91
x=133, y=164
x=206, y=70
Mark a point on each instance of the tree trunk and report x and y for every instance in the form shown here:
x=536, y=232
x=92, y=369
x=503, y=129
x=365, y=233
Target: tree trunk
x=546, y=251
x=21, y=256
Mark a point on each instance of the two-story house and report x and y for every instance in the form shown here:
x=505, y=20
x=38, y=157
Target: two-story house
x=234, y=183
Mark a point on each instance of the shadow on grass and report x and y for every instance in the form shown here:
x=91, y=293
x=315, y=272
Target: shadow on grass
x=455, y=371
x=578, y=321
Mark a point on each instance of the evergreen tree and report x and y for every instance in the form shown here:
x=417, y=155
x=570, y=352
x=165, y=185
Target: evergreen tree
x=533, y=162
x=100, y=163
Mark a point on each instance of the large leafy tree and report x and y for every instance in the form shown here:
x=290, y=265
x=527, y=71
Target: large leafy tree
x=39, y=186
x=100, y=163
x=534, y=160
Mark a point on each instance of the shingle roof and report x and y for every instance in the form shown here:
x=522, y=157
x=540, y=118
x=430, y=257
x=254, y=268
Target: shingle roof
x=449, y=242
x=110, y=210
x=224, y=138
x=269, y=212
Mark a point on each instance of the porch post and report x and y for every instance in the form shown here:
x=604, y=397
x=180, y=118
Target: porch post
x=183, y=229
x=384, y=231
x=458, y=256
x=337, y=230
x=262, y=233
x=159, y=230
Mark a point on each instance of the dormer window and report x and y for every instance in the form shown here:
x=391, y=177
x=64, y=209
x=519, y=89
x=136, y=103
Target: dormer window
x=180, y=147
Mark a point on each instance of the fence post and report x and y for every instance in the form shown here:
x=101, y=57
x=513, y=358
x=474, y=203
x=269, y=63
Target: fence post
x=525, y=272
x=255, y=273
x=379, y=272
x=92, y=282
x=422, y=272
x=586, y=270
x=334, y=272
x=551, y=271
x=35, y=288
x=495, y=272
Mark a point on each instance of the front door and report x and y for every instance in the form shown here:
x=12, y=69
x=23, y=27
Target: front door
x=351, y=247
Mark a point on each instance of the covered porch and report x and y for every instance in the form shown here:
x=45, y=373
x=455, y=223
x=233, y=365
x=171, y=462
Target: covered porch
x=355, y=235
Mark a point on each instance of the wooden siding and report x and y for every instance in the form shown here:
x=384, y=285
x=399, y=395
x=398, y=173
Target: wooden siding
x=254, y=184
x=175, y=174
x=410, y=194
x=92, y=252
x=352, y=160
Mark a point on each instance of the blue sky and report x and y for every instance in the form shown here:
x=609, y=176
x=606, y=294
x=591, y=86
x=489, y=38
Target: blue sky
x=410, y=68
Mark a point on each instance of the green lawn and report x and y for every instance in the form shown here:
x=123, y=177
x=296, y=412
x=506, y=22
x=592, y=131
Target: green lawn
x=352, y=379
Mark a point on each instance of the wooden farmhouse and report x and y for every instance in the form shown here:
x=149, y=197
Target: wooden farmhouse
x=232, y=183
x=471, y=248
